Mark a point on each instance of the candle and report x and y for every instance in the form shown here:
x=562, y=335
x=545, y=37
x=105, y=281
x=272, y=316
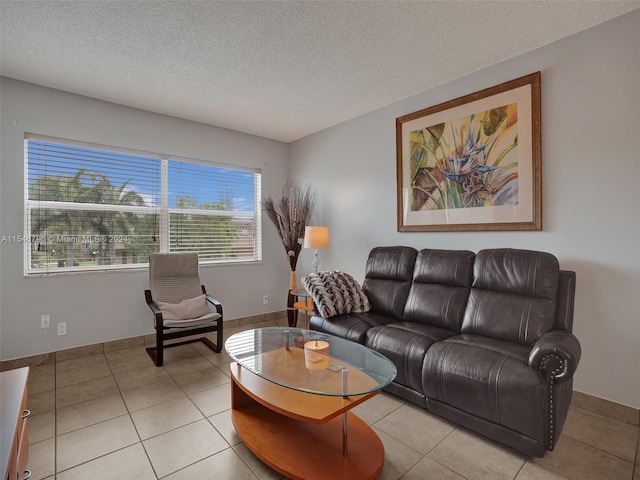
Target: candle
x=316, y=354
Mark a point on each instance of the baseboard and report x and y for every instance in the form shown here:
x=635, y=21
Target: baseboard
x=140, y=340
x=605, y=407
x=601, y=406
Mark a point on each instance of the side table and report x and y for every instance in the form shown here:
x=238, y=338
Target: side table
x=299, y=299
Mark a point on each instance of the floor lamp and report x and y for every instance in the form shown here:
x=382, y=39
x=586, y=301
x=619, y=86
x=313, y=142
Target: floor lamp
x=316, y=237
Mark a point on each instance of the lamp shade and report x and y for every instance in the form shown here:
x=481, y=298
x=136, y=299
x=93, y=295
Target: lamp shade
x=316, y=237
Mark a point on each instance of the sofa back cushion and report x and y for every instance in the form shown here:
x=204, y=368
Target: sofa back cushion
x=440, y=289
x=513, y=296
x=388, y=279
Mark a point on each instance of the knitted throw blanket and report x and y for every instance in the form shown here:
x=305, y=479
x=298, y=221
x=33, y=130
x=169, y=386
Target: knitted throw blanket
x=336, y=293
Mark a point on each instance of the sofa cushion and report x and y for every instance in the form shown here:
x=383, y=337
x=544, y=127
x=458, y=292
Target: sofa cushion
x=513, y=296
x=352, y=326
x=440, y=288
x=405, y=344
x=335, y=293
x=388, y=276
x=488, y=378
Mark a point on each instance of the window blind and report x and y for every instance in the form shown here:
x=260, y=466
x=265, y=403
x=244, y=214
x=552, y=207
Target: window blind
x=92, y=207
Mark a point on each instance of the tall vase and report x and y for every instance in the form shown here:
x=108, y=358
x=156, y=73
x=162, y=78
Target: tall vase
x=292, y=313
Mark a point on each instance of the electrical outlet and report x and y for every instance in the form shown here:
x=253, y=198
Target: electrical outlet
x=62, y=328
x=45, y=321
x=265, y=299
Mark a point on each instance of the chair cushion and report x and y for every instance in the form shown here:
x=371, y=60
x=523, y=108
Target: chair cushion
x=194, y=322
x=187, y=309
x=336, y=293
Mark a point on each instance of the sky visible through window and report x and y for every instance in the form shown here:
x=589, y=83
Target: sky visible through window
x=205, y=183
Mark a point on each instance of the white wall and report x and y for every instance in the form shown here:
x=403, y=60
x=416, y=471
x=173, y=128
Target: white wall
x=99, y=307
x=590, y=182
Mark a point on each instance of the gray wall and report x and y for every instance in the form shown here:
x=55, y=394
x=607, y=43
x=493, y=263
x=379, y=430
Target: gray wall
x=99, y=307
x=591, y=169
x=590, y=182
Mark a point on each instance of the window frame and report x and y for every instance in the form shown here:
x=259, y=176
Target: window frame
x=163, y=210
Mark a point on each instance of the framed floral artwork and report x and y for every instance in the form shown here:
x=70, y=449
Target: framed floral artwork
x=472, y=163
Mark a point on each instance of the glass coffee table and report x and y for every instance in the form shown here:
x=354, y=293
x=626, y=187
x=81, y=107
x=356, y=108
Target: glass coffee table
x=291, y=392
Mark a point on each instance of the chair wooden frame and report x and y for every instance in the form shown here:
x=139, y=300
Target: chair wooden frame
x=157, y=353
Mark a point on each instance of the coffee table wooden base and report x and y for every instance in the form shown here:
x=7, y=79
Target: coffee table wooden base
x=298, y=447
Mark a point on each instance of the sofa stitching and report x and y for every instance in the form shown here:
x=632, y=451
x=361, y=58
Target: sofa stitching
x=525, y=318
x=535, y=275
x=497, y=390
x=476, y=315
x=441, y=372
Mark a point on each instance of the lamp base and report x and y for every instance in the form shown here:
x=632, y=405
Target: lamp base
x=316, y=262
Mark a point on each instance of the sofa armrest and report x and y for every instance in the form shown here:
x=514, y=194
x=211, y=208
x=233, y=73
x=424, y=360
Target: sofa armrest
x=556, y=354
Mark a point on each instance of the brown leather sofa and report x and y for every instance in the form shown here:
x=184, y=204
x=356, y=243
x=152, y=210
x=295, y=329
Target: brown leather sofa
x=482, y=340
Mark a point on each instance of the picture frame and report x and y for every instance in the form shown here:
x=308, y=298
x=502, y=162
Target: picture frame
x=472, y=163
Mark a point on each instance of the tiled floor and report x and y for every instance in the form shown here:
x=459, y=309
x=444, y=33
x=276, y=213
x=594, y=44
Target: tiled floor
x=114, y=415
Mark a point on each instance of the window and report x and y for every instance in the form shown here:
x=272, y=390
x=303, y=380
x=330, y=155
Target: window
x=90, y=207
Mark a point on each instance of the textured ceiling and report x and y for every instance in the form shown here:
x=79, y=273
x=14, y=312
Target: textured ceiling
x=281, y=70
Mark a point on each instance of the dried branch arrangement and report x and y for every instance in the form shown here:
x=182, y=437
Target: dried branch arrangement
x=290, y=214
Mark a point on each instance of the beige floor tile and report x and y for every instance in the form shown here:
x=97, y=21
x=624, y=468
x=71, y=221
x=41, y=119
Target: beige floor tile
x=74, y=376
x=126, y=353
x=91, y=442
x=128, y=463
x=41, y=427
x=83, y=414
x=219, y=364
x=162, y=418
x=533, y=471
x=612, y=436
x=182, y=447
x=80, y=362
x=398, y=458
x=76, y=352
x=202, y=379
x=606, y=408
x=186, y=366
x=131, y=363
x=202, y=348
x=219, y=359
x=415, y=427
x=123, y=343
x=259, y=468
x=224, y=425
x=32, y=361
x=127, y=380
x=225, y=465
x=213, y=400
x=85, y=391
x=579, y=461
x=150, y=395
x=42, y=402
x=473, y=457
x=181, y=352
x=377, y=408
x=42, y=378
x=42, y=457
x=427, y=468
